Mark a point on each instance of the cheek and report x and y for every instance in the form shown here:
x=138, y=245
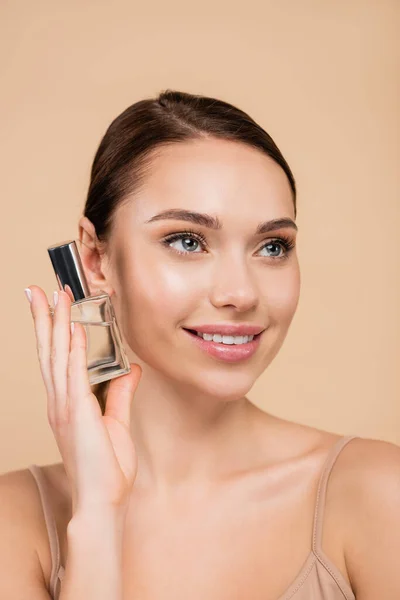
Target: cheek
x=283, y=297
x=158, y=293
x=156, y=301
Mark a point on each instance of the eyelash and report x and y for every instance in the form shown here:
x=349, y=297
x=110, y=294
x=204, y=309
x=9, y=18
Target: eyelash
x=284, y=241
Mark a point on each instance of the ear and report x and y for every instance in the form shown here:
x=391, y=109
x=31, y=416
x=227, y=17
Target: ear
x=94, y=262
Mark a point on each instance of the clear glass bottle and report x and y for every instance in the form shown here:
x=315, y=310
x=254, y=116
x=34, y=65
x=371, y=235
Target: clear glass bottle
x=106, y=357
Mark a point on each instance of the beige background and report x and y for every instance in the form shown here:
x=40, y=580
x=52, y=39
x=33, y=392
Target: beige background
x=322, y=77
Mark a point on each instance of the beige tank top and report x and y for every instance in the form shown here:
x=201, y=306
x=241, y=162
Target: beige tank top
x=318, y=578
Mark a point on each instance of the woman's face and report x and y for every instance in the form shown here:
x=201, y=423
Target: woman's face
x=233, y=276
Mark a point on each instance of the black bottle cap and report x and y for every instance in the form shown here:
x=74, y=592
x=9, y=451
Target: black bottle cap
x=68, y=268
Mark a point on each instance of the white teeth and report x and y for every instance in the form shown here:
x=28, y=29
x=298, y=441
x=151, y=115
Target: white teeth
x=225, y=339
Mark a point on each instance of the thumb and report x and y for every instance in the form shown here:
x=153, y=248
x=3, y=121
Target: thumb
x=120, y=395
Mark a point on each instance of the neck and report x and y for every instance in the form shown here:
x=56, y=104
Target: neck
x=186, y=439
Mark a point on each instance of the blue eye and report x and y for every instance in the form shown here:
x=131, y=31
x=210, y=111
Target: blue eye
x=286, y=243
x=185, y=235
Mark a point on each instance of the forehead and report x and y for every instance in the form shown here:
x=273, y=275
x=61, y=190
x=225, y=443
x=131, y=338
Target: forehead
x=221, y=177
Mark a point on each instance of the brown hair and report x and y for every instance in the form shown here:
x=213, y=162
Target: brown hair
x=126, y=150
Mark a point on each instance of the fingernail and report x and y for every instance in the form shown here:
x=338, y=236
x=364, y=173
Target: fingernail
x=72, y=327
x=28, y=294
x=55, y=298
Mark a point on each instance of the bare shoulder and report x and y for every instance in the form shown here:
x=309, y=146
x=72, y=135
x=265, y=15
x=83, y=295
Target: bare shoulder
x=23, y=547
x=291, y=440
x=365, y=487
x=368, y=470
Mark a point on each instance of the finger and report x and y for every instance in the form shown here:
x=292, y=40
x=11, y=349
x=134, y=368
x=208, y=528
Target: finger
x=78, y=386
x=60, y=348
x=43, y=324
x=120, y=395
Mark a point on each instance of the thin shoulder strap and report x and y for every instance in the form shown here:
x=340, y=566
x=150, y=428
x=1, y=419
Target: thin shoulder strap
x=322, y=487
x=38, y=475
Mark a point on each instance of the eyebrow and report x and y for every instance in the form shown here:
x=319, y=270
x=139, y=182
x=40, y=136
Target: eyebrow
x=210, y=222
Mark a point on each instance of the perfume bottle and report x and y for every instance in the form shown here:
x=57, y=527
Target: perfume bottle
x=106, y=357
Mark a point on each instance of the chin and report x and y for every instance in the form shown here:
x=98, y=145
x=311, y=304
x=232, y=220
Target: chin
x=226, y=388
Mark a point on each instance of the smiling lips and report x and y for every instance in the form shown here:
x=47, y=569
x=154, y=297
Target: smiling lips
x=234, y=329
x=227, y=352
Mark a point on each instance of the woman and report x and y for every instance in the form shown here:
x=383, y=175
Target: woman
x=172, y=483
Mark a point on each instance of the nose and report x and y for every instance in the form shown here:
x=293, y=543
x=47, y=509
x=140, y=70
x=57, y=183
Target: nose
x=234, y=285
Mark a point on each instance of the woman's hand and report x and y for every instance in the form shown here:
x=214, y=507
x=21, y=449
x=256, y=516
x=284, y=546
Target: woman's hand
x=97, y=451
